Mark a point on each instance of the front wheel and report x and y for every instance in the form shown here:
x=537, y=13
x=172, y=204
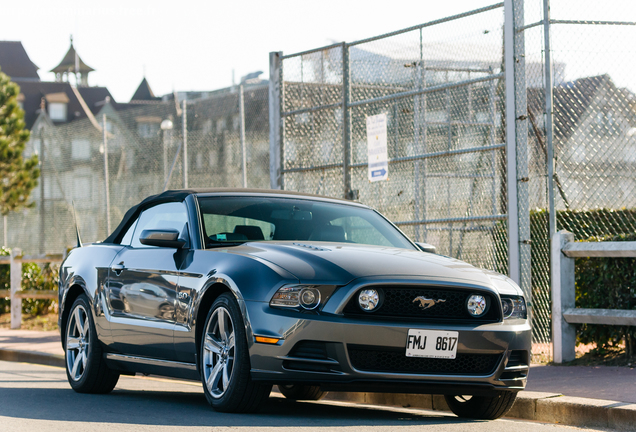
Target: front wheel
x=225, y=362
x=85, y=367
x=481, y=407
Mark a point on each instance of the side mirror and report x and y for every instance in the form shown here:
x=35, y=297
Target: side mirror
x=161, y=238
x=424, y=247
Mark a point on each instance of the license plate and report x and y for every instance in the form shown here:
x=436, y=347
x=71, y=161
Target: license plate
x=432, y=344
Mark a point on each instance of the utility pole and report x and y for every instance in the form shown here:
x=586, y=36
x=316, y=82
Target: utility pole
x=106, y=179
x=42, y=200
x=185, y=145
x=242, y=133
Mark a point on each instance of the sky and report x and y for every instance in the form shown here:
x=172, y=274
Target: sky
x=198, y=45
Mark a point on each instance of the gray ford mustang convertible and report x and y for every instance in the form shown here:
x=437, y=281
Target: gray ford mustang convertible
x=248, y=289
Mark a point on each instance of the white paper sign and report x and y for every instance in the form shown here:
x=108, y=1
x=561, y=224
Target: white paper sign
x=376, y=141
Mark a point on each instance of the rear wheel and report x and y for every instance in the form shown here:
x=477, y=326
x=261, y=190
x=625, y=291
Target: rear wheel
x=85, y=367
x=225, y=362
x=301, y=392
x=481, y=407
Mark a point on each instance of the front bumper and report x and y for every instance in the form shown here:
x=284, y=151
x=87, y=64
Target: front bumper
x=506, y=344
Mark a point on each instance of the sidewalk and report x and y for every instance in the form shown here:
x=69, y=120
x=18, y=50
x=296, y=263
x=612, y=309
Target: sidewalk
x=574, y=395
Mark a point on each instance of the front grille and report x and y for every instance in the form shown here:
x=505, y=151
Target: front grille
x=374, y=359
x=398, y=303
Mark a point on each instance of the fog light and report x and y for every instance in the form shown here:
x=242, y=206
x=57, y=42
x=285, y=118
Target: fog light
x=309, y=298
x=368, y=299
x=476, y=305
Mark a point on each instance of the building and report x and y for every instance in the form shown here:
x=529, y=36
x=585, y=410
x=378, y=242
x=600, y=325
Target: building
x=61, y=101
x=594, y=144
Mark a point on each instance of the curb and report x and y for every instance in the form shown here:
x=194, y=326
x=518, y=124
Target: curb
x=538, y=406
x=32, y=357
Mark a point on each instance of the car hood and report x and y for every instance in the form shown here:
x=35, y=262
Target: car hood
x=339, y=263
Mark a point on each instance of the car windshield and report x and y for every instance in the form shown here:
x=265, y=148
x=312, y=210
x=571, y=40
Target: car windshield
x=239, y=219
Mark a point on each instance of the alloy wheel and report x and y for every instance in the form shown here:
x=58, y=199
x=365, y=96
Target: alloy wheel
x=218, y=352
x=77, y=343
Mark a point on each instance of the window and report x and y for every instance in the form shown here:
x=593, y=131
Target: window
x=162, y=216
x=207, y=126
x=57, y=111
x=80, y=149
x=148, y=130
x=127, y=239
x=220, y=125
x=240, y=219
x=224, y=228
x=82, y=192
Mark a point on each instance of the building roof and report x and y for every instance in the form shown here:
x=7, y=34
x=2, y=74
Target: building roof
x=68, y=63
x=571, y=101
x=34, y=91
x=15, y=62
x=144, y=92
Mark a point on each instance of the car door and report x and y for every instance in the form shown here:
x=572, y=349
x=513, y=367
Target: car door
x=142, y=287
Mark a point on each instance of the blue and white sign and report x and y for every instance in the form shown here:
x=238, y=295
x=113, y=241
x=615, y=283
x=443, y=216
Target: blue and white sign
x=376, y=141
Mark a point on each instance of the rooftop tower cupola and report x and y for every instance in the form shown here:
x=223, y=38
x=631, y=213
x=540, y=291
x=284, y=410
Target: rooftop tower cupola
x=72, y=64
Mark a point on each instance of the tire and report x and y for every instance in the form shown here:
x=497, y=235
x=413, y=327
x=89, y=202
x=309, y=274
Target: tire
x=301, y=392
x=481, y=407
x=225, y=361
x=86, y=370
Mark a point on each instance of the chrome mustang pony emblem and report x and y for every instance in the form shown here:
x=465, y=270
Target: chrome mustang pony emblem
x=427, y=303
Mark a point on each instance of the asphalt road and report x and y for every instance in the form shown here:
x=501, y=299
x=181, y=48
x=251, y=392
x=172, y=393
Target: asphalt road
x=34, y=397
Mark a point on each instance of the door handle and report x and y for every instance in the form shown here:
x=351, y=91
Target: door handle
x=118, y=268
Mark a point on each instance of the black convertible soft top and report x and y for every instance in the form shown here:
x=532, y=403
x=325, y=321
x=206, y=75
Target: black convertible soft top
x=181, y=194
x=133, y=212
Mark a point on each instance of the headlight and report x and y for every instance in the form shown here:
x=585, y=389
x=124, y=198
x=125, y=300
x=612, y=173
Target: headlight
x=513, y=307
x=301, y=296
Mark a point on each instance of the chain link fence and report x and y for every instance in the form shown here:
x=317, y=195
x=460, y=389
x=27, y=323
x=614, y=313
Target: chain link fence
x=591, y=132
x=455, y=177
x=441, y=86
x=443, y=100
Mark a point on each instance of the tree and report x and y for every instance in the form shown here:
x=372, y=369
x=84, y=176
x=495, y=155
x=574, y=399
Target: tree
x=18, y=176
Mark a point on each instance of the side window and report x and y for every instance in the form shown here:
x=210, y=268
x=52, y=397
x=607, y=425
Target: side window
x=162, y=216
x=125, y=241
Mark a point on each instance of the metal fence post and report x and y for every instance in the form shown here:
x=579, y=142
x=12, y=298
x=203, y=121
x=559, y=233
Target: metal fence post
x=242, y=133
x=549, y=127
x=562, y=281
x=275, y=124
x=16, y=285
x=106, y=178
x=523, y=174
x=184, y=123
x=511, y=149
x=346, y=123
x=517, y=147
